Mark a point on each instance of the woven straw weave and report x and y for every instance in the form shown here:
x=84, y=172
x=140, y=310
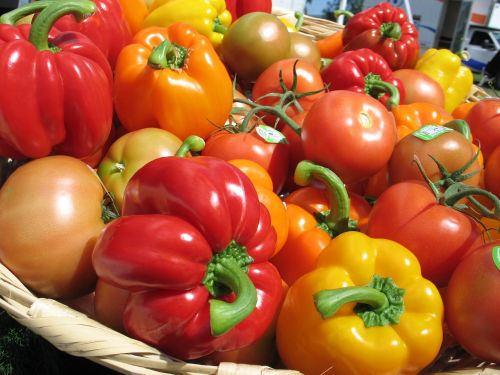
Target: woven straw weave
x=75, y=333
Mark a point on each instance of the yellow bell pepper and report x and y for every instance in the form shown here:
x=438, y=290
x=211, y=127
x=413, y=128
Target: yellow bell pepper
x=208, y=17
x=365, y=309
x=446, y=68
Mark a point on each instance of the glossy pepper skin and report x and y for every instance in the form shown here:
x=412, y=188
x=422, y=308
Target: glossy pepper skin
x=192, y=235
x=411, y=117
x=185, y=89
x=63, y=83
x=316, y=214
x=134, y=12
x=107, y=28
x=446, y=68
x=364, y=71
x=208, y=17
x=316, y=335
x=386, y=30
x=237, y=8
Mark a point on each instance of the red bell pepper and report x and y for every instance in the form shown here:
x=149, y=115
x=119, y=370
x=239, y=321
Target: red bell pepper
x=192, y=247
x=365, y=71
x=386, y=30
x=237, y=8
x=56, y=92
x=107, y=28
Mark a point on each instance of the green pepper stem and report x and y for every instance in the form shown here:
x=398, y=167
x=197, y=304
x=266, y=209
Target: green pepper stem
x=374, y=85
x=464, y=55
x=338, y=218
x=167, y=55
x=40, y=28
x=191, y=143
x=328, y=302
x=224, y=315
x=343, y=12
x=218, y=27
x=460, y=126
x=391, y=30
x=379, y=303
x=12, y=17
x=299, y=16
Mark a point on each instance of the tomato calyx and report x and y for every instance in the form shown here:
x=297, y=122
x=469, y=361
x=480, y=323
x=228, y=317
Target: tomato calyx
x=335, y=220
x=450, y=190
x=288, y=97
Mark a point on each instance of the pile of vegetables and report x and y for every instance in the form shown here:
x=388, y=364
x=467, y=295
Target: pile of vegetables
x=224, y=188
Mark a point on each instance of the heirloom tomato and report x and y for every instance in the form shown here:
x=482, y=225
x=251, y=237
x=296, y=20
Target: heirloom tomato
x=304, y=48
x=350, y=133
x=472, y=303
x=50, y=218
x=449, y=147
x=307, y=78
x=130, y=152
x=253, y=42
x=419, y=87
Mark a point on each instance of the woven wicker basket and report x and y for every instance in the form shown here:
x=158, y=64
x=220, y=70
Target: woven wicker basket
x=77, y=334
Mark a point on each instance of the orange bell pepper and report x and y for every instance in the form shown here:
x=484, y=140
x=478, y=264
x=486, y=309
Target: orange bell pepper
x=172, y=78
x=264, y=185
x=411, y=117
x=135, y=11
x=315, y=216
x=365, y=309
x=330, y=46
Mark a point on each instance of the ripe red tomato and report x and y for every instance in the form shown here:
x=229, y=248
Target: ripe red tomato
x=439, y=236
x=472, y=303
x=419, y=87
x=492, y=172
x=351, y=133
x=273, y=157
x=308, y=80
x=50, y=218
x=483, y=119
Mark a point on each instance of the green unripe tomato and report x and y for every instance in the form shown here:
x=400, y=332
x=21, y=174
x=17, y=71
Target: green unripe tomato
x=253, y=42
